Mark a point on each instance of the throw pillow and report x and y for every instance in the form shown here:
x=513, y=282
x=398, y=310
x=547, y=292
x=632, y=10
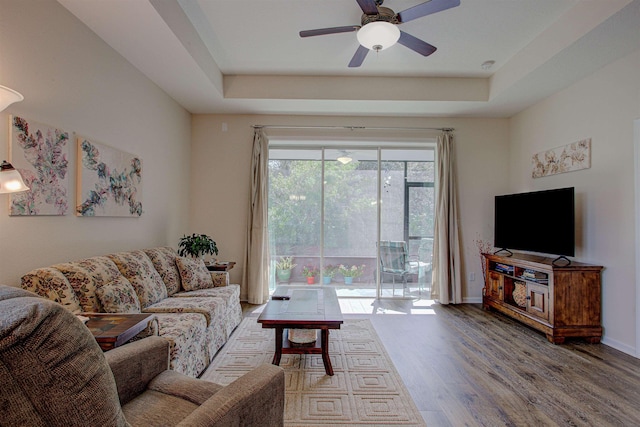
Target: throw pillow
x=118, y=296
x=194, y=274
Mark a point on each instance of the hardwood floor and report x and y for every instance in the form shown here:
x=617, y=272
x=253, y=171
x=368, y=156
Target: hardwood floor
x=468, y=367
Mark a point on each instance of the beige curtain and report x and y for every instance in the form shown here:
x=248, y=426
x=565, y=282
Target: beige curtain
x=447, y=286
x=256, y=263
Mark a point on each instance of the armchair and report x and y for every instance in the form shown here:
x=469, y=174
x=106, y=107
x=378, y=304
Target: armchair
x=54, y=373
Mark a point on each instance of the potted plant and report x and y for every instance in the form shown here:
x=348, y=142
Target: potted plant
x=349, y=272
x=328, y=272
x=310, y=272
x=197, y=245
x=283, y=268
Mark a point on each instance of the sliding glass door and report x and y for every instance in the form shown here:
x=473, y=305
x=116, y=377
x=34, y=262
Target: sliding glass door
x=334, y=212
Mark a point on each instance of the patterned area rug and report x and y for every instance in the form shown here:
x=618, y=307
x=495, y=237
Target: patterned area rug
x=365, y=388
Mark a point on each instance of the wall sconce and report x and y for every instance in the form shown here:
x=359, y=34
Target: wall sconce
x=8, y=97
x=10, y=179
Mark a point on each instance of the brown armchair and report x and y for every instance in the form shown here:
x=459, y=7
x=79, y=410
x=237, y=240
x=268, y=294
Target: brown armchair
x=53, y=374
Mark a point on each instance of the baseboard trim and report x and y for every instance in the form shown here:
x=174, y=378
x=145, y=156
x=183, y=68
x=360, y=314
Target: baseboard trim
x=472, y=300
x=631, y=351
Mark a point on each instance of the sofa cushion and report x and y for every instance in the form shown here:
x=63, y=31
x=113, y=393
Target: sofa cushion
x=213, y=309
x=50, y=283
x=53, y=371
x=150, y=409
x=194, y=273
x=229, y=294
x=118, y=296
x=164, y=261
x=85, y=276
x=138, y=269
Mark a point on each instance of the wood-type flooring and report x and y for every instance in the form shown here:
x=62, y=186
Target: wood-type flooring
x=468, y=367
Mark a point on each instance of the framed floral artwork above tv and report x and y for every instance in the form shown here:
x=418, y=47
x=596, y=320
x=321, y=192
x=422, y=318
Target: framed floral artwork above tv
x=568, y=158
x=109, y=181
x=40, y=153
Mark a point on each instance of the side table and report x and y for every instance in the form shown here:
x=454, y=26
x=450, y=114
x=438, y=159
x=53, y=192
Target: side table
x=111, y=330
x=221, y=266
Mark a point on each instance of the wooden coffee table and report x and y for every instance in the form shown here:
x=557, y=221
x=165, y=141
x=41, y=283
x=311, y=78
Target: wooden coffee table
x=113, y=330
x=302, y=307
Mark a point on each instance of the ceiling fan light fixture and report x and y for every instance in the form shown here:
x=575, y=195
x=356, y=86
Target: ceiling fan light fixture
x=344, y=159
x=378, y=35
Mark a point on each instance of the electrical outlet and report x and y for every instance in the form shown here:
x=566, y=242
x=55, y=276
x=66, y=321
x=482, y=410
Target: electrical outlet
x=472, y=276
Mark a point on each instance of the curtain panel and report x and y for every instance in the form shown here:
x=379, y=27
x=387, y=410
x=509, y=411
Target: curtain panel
x=446, y=280
x=256, y=263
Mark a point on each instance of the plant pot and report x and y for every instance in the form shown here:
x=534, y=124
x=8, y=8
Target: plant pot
x=326, y=280
x=283, y=275
x=348, y=280
x=311, y=280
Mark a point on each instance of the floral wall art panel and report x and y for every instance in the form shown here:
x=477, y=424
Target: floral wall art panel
x=40, y=153
x=568, y=158
x=109, y=181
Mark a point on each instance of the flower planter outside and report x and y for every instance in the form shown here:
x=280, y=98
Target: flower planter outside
x=283, y=275
x=326, y=280
x=311, y=280
x=348, y=280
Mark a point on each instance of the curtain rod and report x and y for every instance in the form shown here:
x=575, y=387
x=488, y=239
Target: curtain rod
x=349, y=127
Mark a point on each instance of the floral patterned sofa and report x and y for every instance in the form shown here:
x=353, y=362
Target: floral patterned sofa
x=196, y=310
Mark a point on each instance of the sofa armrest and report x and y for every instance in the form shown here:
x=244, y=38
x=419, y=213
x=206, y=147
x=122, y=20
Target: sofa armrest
x=135, y=364
x=220, y=278
x=255, y=399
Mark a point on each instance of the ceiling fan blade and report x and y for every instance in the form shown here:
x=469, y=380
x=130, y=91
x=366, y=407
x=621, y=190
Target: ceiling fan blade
x=332, y=30
x=414, y=43
x=368, y=7
x=426, y=8
x=358, y=58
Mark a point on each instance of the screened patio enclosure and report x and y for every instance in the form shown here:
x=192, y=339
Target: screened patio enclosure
x=357, y=218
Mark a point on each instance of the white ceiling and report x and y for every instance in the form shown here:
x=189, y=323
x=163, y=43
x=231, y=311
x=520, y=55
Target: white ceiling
x=245, y=56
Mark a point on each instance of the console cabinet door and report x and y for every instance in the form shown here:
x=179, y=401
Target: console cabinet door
x=495, y=286
x=538, y=300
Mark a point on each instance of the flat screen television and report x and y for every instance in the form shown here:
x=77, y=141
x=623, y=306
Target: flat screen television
x=540, y=221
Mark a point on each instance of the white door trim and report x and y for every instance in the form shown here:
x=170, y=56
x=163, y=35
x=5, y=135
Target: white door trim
x=636, y=145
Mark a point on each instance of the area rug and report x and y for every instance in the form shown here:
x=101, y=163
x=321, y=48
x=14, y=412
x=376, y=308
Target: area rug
x=364, y=390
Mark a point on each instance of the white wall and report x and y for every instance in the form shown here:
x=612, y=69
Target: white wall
x=601, y=107
x=221, y=177
x=72, y=79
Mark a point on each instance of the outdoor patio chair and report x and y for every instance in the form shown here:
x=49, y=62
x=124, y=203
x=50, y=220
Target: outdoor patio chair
x=396, y=264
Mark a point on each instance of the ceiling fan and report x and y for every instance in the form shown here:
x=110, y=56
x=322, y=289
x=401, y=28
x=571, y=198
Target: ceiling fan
x=378, y=29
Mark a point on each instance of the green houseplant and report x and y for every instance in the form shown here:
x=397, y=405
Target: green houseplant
x=284, y=267
x=197, y=245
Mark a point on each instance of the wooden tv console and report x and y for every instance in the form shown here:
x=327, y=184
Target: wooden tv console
x=560, y=301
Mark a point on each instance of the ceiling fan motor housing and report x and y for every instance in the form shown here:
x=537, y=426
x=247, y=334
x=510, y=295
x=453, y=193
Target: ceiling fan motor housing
x=384, y=14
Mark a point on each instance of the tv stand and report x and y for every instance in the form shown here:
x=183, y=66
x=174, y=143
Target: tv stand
x=503, y=250
x=562, y=301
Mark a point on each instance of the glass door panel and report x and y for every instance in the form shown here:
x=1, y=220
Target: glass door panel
x=295, y=207
x=406, y=220
x=350, y=219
